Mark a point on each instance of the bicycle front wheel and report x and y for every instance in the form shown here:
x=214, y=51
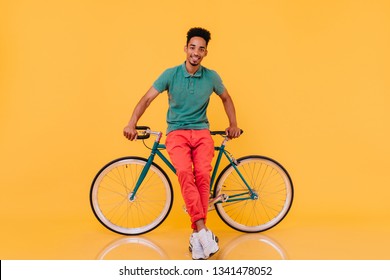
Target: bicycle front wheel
x=111, y=193
x=262, y=207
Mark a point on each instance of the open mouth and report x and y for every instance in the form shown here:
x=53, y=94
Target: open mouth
x=195, y=60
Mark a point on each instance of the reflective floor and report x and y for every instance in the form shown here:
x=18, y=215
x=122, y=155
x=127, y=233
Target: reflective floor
x=83, y=238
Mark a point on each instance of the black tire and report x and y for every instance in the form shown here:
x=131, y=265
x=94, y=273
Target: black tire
x=111, y=190
x=273, y=188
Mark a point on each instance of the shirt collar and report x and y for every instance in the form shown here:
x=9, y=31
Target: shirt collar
x=197, y=74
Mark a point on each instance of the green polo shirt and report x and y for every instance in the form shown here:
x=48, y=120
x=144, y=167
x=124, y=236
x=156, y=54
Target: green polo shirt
x=188, y=96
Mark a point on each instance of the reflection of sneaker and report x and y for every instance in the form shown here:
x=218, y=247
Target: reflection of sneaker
x=208, y=241
x=196, y=248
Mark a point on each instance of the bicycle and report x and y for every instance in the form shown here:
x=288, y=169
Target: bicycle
x=133, y=195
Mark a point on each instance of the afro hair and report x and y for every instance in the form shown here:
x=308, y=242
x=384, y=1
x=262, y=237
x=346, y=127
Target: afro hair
x=198, y=32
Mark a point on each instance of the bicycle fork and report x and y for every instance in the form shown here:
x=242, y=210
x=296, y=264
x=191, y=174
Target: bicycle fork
x=155, y=150
x=141, y=178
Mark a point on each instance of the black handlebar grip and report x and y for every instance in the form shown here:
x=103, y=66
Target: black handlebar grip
x=222, y=132
x=142, y=127
x=144, y=135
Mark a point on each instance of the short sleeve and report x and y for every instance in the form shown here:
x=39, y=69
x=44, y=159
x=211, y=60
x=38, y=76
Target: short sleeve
x=162, y=82
x=219, y=87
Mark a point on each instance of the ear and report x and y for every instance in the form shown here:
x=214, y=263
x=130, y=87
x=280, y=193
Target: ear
x=185, y=48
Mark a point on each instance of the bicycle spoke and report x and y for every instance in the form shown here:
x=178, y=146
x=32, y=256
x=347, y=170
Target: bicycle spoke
x=272, y=200
x=120, y=210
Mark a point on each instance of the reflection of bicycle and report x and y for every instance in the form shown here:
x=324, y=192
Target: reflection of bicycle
x=141, y=248
x=262, y=248
x=133, y=195
x=132, y=248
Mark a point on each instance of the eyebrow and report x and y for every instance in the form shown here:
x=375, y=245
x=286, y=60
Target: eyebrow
x=201, y=47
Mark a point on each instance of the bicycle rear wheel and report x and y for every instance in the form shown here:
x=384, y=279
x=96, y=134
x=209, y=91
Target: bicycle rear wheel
x=273, y=197
x=112, y=188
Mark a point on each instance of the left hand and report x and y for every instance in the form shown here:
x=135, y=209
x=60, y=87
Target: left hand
x=233, y=132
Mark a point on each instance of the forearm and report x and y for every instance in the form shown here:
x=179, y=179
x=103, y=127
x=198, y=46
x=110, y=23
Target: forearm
x=230, y=110
x=142, y=105
x=139, y=110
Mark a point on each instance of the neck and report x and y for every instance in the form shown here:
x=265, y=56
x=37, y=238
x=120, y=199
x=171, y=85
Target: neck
x=191, y=69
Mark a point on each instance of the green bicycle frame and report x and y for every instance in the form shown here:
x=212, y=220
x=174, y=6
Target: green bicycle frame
x=237, y=197
x=155, y=150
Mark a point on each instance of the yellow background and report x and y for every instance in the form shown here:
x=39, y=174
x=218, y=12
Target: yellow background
x=310, y=81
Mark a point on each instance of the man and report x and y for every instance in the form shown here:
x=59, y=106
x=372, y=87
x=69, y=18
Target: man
x=189, y=143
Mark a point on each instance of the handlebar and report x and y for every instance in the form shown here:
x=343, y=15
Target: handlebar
x=222, y=132
x=144, y=132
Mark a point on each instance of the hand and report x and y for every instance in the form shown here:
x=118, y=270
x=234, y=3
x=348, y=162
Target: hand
x=130, y=132
x=233, y=132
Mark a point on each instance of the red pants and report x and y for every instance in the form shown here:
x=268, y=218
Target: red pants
x=191, y=153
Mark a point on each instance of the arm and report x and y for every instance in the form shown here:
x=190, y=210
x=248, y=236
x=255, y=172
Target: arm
x=129, y=131
x=232, y=131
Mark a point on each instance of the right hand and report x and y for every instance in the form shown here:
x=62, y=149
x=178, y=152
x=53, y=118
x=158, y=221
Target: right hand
x=130, y=132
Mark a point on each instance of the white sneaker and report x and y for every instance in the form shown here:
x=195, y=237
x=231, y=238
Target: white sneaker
x=196, y=248
x=208, y=241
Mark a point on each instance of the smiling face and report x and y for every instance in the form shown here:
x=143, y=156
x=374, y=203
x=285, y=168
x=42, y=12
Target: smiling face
x=196, y=50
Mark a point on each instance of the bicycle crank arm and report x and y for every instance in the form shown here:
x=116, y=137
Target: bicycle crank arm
x=222, y=197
